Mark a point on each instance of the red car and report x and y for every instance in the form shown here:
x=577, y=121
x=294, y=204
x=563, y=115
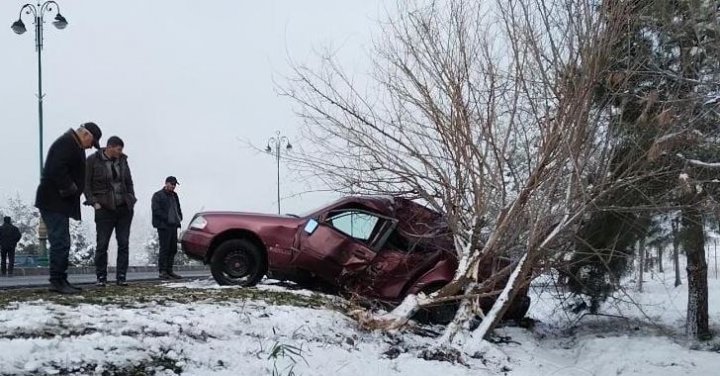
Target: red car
x=380, y=248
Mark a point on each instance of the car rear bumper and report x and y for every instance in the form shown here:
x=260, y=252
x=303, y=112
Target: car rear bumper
x=196, y=243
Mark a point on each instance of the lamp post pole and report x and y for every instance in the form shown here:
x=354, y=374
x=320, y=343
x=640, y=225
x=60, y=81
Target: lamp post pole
x=275, y=144
x=38, y=12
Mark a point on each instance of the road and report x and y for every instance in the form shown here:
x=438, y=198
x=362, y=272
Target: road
x=85, y=279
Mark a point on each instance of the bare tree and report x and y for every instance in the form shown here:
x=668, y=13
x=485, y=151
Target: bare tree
x=484, y=112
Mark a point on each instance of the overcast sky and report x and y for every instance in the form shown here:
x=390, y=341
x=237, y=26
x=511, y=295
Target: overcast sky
x=180, y=82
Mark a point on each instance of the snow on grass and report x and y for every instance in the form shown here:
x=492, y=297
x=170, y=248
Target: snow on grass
x=197, y=328
x=265, y=285
x=228, y=339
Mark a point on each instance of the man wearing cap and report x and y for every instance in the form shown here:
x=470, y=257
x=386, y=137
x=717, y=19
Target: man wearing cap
x=58, y=197
x=166, y=218
x=109, y=189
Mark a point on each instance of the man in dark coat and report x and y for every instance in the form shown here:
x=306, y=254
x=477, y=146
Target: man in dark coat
x=109, y=189
x=58, y=197
x=9, y=237
x=166, y=218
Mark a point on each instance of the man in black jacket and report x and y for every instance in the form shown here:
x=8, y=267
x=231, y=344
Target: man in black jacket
x=109, y=189
x=166, y=218
x=9, y=237
x=58, y=197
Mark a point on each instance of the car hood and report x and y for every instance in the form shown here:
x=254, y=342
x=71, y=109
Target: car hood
x=234, y=215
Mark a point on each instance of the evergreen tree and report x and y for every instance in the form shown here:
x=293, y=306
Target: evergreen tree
x=82, y=251
x=662, y=94
x=152, y=249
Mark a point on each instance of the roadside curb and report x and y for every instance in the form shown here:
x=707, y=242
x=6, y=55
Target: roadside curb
x=111, y=270
x=90, y=285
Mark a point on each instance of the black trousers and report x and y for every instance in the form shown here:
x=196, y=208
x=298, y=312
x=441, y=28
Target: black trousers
x=58, y=227
x=167, y=238
x=7, y=254
x=107, y=221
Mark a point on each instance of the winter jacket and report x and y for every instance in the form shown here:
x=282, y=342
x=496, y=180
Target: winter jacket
x=63, y=178
x=162, y=201
x=9, y=236
x=99, y=182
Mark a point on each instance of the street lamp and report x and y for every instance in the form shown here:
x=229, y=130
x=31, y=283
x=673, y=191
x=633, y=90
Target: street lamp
x=275, y=144
x=38, y=12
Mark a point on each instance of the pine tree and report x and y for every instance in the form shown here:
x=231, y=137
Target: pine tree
x=82, y=252
x=152, y=248
x=663, y=90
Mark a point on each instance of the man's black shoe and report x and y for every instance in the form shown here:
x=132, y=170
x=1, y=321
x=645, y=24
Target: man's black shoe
x=101, y=282
x=71, y=286
x=164, y=275
x=121, y=282
x=62, y=288
x=174, y=276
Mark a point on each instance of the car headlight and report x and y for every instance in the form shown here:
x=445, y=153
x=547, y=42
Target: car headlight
x=198, y=223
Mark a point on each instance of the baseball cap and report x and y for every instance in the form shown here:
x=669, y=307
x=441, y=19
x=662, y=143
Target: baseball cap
x=172, y=179
x=95, y=131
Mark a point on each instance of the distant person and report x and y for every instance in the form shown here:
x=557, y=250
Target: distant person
x=58, y=197
x=166, y=218
x=109, y=189
x=9, y=237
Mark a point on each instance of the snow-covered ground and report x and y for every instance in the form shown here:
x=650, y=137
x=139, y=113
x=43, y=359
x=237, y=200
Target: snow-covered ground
x=202, y=334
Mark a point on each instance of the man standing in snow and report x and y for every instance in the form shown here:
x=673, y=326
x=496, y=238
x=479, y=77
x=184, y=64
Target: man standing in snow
x=58, y=197
x=9, y=237
x=166, y=218
x=109, y=189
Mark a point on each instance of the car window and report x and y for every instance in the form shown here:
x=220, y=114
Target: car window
x=359, y=225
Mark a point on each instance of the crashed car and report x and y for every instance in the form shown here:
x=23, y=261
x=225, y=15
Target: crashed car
x=377, y=248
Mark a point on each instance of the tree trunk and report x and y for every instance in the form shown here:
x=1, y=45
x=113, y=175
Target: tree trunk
x=660, y=259
x=516, y=279
x=694, y=239
x=641, y=263
x=676, y=251
x=716, y=275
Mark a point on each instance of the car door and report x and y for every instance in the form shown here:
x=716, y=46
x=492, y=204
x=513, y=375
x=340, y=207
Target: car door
x=343, y=244
x=339, y=245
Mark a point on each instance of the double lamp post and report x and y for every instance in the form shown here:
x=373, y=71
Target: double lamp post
x=275, y=145
x=38, y=13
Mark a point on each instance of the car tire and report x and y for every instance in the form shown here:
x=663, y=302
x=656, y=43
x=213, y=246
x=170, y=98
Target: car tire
x=518, y=309
x=238, y=262
x=441, y=314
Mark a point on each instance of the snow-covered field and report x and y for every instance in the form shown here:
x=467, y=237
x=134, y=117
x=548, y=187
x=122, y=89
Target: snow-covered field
x=197, y=328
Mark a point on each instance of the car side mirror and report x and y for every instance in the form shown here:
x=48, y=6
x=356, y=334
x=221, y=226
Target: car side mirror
x=311, y=226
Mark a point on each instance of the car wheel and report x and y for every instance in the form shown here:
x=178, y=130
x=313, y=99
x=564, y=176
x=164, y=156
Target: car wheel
x=238, y=262
x=441, y=314
x=518, y=309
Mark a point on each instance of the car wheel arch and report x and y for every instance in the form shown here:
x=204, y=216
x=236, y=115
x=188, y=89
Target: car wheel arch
x=234, y=234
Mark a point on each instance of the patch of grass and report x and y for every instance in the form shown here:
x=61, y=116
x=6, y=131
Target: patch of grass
x=285, y=351
x=139, y=294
